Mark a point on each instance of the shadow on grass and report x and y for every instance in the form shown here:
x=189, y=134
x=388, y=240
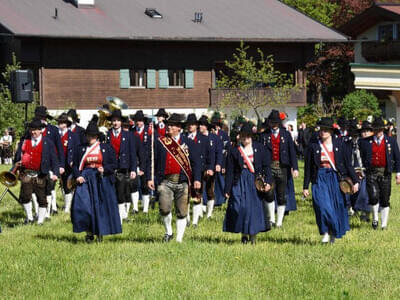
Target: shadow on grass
x=11, y=218
x=291, y=240
x=214, y=240
x=60, y=238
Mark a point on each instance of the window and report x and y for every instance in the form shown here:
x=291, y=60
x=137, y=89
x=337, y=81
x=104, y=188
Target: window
x=385, y=33
x=137, y=78
x=176, y=78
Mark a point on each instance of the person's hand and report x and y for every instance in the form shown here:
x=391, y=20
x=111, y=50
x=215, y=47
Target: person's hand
x=140, y=172
x=306, y=193
x=227, y=195
x=18, y=164
x=133, y=175
x=80, y=180
x=150, y=185
x=53, y=177
x=62, y=170
x=217, y=168
x=267, y=187
x=398, y=179
x=100, y=169
x=223, y=171
x=295, y=173
x=197, y=185
x=210, y=172
x=356, y=187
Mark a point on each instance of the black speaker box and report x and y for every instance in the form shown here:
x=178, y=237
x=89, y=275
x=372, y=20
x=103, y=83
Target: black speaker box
x=21, y=84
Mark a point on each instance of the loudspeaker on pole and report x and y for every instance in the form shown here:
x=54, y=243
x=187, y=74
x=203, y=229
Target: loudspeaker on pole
x=21, y=84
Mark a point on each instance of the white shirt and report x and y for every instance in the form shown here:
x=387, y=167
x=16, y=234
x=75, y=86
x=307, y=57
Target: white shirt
x=116, y=132
x=177, y=138
x=6, y=138
x=140, y=129
x=275, y=132
x=193, y=135
x=36, y=141
x=378, y=140
x=161, y=125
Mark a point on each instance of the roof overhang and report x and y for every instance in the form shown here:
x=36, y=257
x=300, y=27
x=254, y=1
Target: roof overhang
x=376, y=76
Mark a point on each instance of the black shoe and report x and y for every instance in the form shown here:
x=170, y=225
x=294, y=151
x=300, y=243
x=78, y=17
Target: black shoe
x=28, y=222
x=245, y=239
x=89, y=238
x=374, y=225
x=272, y=224
x=195, y=226
x=167, y=238
x=99, y=238
x=188, y=224
x=54, y=212
x=253, y=239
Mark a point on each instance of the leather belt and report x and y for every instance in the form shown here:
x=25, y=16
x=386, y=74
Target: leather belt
x=275, y=164
x=31, y=173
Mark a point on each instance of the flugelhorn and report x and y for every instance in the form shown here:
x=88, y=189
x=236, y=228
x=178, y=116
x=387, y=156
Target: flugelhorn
x=9, y=178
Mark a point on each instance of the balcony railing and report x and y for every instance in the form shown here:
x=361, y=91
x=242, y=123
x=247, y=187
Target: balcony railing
x=376, y=51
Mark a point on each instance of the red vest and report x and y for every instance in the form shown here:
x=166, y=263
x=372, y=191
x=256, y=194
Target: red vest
x=171, y=165
x=116, y=143
x=275, y=146
x=161, y=131
x=94, y=160
x=64, y=142
x=140, y=135
x=32, y=156
x=379, y=154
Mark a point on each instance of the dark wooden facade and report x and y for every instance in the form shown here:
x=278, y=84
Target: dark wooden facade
x=83, y=72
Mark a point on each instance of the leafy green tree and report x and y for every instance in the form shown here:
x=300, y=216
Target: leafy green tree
x=12, y=114
x=360, y=104
x=253, y=83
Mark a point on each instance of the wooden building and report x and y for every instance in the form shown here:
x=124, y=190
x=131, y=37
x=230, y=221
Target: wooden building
x=158, y=53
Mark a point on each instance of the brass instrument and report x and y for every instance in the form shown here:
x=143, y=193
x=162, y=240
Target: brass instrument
x=105, y=111
x=9, y=179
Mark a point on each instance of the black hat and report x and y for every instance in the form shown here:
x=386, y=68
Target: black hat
x=125, y=121
x=42, y=113
x=216, y=119
x=73, y=114
x=274, y=117
x=92, y=129
x=64, y=118
x=378, y=123
x=116, y=114
x=343, y=123
x=203, y=121
x=162, y=113
x=325, y=122
x=246, y=129
x=354, y=127
x=366, y=125
x=176, y=119
x=191, y=119
x=36, y=123
x=138, y=116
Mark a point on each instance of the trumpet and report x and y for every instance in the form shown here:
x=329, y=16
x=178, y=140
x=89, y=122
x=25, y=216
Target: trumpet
x=105, y=111
x=9, y=178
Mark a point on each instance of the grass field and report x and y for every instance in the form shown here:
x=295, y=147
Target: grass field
x=49, y=261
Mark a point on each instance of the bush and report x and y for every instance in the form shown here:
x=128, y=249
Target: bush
x=360, y=104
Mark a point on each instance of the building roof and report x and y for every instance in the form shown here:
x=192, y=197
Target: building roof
x=223, y=20
x=370, y=17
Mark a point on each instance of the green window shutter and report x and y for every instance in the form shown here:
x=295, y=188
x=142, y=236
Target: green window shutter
x=189, y=79
x=163, y=79
x=124, y=79
x=151, y=79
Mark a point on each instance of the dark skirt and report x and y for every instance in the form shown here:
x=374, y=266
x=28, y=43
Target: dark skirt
x=95, y=205
x=362, y=201
x=245, y=212
x=329, y=204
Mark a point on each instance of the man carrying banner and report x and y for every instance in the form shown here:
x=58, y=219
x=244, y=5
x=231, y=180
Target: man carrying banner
x=178, y=167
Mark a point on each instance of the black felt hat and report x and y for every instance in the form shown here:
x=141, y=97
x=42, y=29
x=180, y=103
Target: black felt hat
x=216, y=119
x=274, y=117
x=92, y=129
x=354, y=127
x=366, y=125
x=139, y=116
x=162, y=113
x=116, y=114
x=73, y=114
x=325, y=122
x=204, y=121
x=36, y=123
x=378, y=123
x=343, y=122
x=176, y=119
x=191, y=119
x=246, y=129
x=64, y=118
x=42, y=113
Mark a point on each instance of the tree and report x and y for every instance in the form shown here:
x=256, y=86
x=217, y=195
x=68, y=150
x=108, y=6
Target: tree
x=252, y=83
x=360, y=104
x=12, y=114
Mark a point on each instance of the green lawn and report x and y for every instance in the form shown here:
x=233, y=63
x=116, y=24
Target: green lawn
x=50, y=261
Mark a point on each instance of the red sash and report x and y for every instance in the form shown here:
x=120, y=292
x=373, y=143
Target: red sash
x=89, y=150
x=330, y=155
x=246, y=159
x=179, y=154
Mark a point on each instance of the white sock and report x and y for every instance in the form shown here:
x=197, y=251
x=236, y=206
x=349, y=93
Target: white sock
x=35, y=204
x=375, y=212
x=135, y=201
x=325, y=238
x=210, y=208
x=168, y=223
x=188, y=215
x=271, y=211
x=197, y=210
x=146, y=202
x=384, y=216
x=28, y=210
x=180, y=229
x=122, y=210
x=128, y=207
x=41, y=214
x=48, y=199
x=68, y=203
x=204, y=210
x=281, y=214
x=53, y=200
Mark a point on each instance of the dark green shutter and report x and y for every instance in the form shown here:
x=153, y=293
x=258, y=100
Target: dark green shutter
x=124, y=80
x=189, y=79
x=163, y=82
x=151, y=79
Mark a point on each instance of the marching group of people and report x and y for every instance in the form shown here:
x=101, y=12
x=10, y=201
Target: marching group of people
x=188, y=164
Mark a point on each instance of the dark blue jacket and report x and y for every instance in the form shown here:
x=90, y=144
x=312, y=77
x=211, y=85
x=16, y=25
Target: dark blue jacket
x=49, y=159
x=109, y=159
x=225, y=140
x=218, y=148
x=141, y=154
x=53, y=133
x=287, y=151
x=206, y=151
x=235, y=164
x=80, y=132
x=127, y=151
x=160, y=159
x=312, y=161
x=73, y=141
x=392, y=153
